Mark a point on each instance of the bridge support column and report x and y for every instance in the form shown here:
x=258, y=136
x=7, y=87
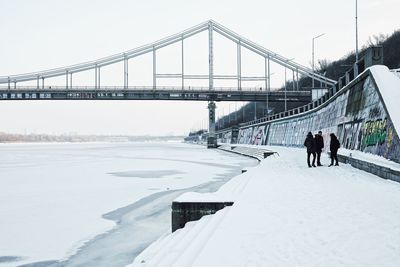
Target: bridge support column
x=126, y=72
x=212, y=139
x=66, y=79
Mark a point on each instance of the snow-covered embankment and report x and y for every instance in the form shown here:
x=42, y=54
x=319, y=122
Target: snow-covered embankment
x=286, y=214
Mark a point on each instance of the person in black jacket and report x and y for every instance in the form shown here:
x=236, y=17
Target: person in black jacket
x=309, y=143
x=319, y=142
x=334, y=147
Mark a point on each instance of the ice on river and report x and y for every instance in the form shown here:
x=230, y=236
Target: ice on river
x=53, y=196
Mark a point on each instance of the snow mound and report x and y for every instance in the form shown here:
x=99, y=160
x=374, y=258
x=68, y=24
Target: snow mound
x=389, y=87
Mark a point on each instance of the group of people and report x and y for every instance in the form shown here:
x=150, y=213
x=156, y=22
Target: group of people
x=315, y=145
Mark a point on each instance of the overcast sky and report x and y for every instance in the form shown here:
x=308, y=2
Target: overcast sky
x=43, y=34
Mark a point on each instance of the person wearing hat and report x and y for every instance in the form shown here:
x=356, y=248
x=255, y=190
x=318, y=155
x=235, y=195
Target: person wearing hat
x=319, y=142
x=334, y=147
x=309, y=143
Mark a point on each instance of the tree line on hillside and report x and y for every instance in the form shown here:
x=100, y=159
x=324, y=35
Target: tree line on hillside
x=333, y=70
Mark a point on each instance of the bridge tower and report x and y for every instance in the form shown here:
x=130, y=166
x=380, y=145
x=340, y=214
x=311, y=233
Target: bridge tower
x=212, y=139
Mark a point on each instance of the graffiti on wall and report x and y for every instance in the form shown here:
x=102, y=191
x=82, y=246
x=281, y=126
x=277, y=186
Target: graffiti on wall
x=253, y=135
x=258, y=135
x=225, y=137
x=245, y=135
x=374, y=132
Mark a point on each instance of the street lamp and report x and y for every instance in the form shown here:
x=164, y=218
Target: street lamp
x=313, y=55
x=356, y=37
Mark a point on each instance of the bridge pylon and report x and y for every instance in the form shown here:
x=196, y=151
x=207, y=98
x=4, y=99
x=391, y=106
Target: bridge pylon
x=212, y=139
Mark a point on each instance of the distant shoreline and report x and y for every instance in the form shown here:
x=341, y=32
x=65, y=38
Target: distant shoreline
x=47, y=138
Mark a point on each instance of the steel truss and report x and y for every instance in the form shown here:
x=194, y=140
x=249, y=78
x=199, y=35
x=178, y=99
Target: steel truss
x=210, y=26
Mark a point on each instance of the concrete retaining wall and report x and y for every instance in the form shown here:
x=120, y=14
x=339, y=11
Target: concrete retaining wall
x=356, y=114
x=183, y=212
x=381, y=171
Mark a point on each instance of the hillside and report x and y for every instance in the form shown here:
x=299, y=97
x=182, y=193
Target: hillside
x=333, y=70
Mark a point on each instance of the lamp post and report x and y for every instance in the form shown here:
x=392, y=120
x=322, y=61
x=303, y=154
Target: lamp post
x=313, y=55
x=356, y=66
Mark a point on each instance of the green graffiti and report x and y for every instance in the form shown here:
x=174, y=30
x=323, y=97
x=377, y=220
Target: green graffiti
x=374, y=132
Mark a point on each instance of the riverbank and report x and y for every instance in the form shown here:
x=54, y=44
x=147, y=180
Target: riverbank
x=286, y=214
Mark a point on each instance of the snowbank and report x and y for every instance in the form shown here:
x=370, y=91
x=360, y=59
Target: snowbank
x=286, y=214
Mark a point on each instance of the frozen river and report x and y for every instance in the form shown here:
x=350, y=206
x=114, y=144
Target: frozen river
x=97, y=204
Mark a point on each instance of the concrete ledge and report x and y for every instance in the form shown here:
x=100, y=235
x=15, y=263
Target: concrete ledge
x=257, y=153
x=378, y=170
x=183, y=212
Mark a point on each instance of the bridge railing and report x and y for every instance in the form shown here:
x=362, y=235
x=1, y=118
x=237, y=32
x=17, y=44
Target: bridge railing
x=396, y=72
x=150, y=88
x=295, y=111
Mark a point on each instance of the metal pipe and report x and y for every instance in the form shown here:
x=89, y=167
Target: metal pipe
x=125, y=72
x=269, y=84
x=182, y=65
x=239, y=65
x=285, y=93
x=293, y=80
x=154, y=69
x=210, y=57
x=66, y=79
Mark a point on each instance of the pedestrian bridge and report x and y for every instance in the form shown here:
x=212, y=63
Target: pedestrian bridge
x=41, y=85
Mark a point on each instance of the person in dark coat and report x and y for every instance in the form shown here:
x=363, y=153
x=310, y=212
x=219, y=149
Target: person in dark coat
x=319, y=142
x=309, y=143
x=334, y=147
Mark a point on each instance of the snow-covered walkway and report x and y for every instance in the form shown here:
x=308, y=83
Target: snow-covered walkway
x=286, y=214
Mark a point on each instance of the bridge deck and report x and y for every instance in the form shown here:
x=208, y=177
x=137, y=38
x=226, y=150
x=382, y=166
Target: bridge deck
x=145, y=93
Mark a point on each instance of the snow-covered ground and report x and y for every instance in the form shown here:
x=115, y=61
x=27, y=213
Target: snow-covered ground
x=286, y=214
x=53, y=196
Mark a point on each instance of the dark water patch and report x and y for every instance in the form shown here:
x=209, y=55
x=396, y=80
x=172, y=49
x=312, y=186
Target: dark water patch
x=146, y=174
x=139, y=224
x=142, y=222
x=42, y=264
x=4, y=259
